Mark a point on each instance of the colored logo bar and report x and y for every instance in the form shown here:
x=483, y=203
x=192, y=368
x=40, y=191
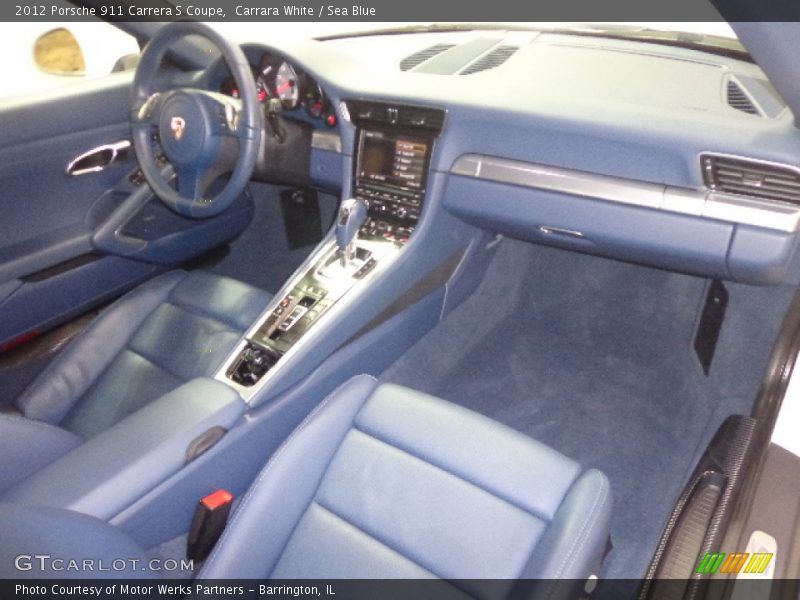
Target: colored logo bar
x=734, y=563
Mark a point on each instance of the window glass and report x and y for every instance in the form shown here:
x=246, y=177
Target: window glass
x=41, y=56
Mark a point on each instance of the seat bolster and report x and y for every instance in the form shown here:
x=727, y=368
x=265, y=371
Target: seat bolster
x=572, y=544
x=70, y=375
x=26, y=446
x=63, y=536
x=264, y=521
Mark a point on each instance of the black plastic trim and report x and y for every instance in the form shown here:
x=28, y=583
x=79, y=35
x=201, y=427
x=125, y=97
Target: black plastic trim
x=765, y=411
x=710, y=325
x=728, y=527
x=62, y=267
x=437, y=278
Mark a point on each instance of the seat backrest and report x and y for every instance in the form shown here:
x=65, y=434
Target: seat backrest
x=169, y=330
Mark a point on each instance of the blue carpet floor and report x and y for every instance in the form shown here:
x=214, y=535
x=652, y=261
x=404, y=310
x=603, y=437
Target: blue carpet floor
x=594, y=357
x=261, y=255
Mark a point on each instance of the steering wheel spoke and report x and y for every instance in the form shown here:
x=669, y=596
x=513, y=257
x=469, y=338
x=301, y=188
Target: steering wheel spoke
x=226, y=112
x=148, y=113
x=190, y=184
x=195, y=183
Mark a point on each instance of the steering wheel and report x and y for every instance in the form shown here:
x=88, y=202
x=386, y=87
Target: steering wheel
x=203, y=134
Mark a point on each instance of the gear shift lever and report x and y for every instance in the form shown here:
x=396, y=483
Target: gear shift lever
x=352, y=214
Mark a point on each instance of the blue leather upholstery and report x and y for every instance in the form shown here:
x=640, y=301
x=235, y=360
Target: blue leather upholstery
x=115, y=468
x=61, y=535
x=382, y=481
x=26, y=446
x=177, y=327
x=174, y=328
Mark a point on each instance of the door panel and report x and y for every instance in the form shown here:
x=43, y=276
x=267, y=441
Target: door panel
x=58, y=232
x=38, y=197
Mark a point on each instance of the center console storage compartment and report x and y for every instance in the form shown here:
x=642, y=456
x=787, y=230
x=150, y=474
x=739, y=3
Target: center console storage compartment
x=112, y=470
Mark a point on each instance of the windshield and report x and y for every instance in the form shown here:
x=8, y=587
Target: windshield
x=102, y=47
x=247, y=31
x=714, y=37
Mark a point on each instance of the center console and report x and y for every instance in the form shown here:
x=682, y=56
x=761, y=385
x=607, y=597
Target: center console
x=393, y=152
x=391, y=170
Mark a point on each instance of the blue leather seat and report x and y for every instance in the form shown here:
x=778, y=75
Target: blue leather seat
x=169, y=330
x=383, y=482
x=39, y=542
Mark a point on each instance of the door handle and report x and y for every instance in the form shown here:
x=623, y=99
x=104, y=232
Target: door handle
x=97, y=159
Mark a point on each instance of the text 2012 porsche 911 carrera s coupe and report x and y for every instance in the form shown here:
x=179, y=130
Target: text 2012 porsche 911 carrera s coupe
x=509, y=307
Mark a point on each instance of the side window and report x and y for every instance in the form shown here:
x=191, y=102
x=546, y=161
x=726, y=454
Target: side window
x=48, y=56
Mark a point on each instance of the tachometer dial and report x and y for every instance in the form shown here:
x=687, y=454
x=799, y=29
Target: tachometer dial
x=229, y=88
x=286, y=85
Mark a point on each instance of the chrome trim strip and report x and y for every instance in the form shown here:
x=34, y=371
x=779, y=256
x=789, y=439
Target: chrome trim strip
x=345, y=112
x=752, y=211
x=550, y=230
x=700, y=203
x=326, y=140
x=385, y=254
x=115, y=150
x=560, y=180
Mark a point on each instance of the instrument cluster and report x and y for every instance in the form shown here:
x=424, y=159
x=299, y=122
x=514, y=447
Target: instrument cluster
x=277, y=78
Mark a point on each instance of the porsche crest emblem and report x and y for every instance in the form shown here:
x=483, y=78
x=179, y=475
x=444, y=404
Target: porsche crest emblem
x=178, y=126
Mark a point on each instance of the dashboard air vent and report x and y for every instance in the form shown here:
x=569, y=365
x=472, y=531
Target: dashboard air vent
x=739, y=100
x=416, y=59
x=490, y=60
x=750, y=177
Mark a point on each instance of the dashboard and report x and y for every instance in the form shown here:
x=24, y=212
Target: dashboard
x=670, y=157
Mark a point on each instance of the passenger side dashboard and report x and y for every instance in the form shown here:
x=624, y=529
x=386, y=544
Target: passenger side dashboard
x=596, y=145
x=706, y=232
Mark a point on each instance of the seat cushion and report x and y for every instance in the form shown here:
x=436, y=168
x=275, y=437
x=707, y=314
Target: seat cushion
x=44, y=543
x=167, y=331
x=26, y=446
x=384, y=482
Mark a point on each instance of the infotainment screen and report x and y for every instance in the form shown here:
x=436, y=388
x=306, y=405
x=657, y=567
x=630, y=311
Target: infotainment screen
x=394, y=159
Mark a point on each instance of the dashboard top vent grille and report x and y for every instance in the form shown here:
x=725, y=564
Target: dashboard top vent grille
x=750, y=177
x=739, y=100
x=490, y=60
x=416, y=59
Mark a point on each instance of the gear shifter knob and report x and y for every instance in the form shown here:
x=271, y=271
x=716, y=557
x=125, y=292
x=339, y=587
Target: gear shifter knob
x=352, y=214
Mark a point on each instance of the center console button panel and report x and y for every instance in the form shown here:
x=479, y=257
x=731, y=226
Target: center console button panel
x=394, y=144
x=296, y=312
x=394, y=147
x=364, y=113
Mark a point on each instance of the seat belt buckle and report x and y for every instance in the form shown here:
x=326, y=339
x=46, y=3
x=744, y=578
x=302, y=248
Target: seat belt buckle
x=208, y=521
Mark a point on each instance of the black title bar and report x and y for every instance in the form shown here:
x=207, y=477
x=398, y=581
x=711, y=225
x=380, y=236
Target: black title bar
x=405, y=10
